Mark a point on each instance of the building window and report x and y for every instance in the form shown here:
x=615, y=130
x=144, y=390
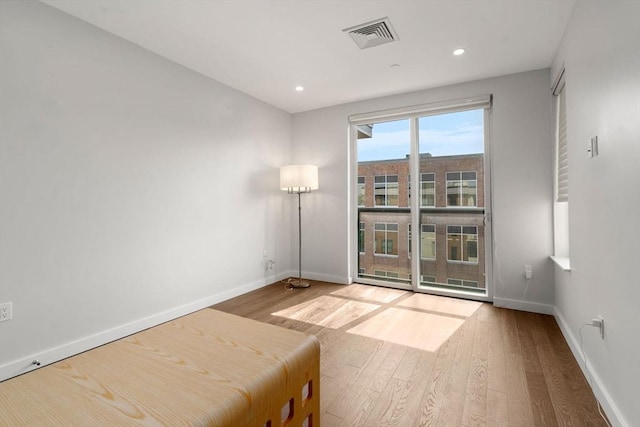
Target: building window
x=430, y=279
x=462, y=243
x=386, y=190
x=361, y=271
x=463, y=283
x=384, y=273
x=386, y=238
x=361, y=184
x=428, y=241
x=361, y=238
x=462, y=189
x=427, y=190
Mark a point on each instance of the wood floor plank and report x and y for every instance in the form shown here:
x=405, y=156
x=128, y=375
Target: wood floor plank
x=496, y=374
x=382, y=413
x=455, y=393
x=332, y=387
x=499, y=368
x=434, y=395
x=510, y=332
x=388, y=367
x=408, y=408
x=407, y=364
x=541, y=405
x=518, y=398
x=475, y=405
x=329, y=420
x=497, y=409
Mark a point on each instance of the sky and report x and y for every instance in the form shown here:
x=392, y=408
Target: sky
x=442, y=135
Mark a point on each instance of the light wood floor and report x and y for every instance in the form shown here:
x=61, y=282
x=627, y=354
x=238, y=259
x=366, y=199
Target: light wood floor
x=459, y=363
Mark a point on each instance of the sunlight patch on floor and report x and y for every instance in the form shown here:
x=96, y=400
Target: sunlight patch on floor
x=327, y=311
x=370, y=293
x=424, y=331
x=444, y=305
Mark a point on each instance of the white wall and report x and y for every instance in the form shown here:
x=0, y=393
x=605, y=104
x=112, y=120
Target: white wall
x=132, y=190
x=522, y=182
x=601, y=53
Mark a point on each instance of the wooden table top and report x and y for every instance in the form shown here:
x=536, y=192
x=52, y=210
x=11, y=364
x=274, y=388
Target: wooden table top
x=206, y=368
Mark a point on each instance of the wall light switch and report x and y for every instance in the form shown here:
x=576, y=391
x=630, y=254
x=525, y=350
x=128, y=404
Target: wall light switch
x=592, y=147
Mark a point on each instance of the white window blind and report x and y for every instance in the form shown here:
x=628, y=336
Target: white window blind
x=562, y=183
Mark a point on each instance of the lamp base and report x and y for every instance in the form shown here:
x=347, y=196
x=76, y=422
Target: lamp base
x=298, y=284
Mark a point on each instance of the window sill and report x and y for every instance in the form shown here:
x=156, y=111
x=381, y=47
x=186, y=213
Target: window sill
x=562, y=262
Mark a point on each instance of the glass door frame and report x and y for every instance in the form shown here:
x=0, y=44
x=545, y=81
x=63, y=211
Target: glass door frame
x=414, y=113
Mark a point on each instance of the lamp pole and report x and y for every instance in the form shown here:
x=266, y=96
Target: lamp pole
x=298, y=179
x=300, y=283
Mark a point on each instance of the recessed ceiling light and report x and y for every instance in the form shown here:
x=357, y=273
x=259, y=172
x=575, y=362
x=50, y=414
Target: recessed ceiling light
x=299, y=88
x=395, y=66
x=458, y=51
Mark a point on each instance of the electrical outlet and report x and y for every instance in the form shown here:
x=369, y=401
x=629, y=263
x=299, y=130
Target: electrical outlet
x=598, y=322
x=5, y=311
x=528, y=271
x=267, y=261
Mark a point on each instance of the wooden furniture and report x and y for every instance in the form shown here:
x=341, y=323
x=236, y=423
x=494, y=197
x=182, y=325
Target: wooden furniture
x=208, y=368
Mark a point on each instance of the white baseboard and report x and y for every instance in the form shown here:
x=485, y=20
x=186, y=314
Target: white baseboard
x=326, y=278
x=52, y=355
x=608, y=405
x=533, y=307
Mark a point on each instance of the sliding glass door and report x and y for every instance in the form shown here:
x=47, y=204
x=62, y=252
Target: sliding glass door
x=452, y=202
x=383, y=203
x=422, y=192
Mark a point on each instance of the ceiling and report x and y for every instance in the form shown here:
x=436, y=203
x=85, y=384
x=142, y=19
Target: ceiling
x=266, y=48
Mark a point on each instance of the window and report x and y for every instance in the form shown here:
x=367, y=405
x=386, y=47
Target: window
x=427, y=190
x=361, y=238
x=428, y=241
x=410, y=200
x=386, y=190
x=562, y=177
x=561, y=207
x=463, y=283
x=361, y=185
x=462, y=189
x=462, y=243
x=386, y=238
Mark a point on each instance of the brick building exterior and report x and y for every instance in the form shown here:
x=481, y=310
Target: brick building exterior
x=451, y=220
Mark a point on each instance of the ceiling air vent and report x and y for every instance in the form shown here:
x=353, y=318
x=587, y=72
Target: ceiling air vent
x=372, y=33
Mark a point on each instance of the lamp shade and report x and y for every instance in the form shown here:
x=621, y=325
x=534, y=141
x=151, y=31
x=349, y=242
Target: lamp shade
x=299, y=178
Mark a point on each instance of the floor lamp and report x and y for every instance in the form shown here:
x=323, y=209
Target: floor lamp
x=298, y=179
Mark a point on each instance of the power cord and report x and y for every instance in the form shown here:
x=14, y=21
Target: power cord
x=292, y=283
x=526, y=287
x=586, y=368
x=288, y=284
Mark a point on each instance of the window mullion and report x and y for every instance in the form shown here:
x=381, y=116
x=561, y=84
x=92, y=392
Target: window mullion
x=414, y=172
